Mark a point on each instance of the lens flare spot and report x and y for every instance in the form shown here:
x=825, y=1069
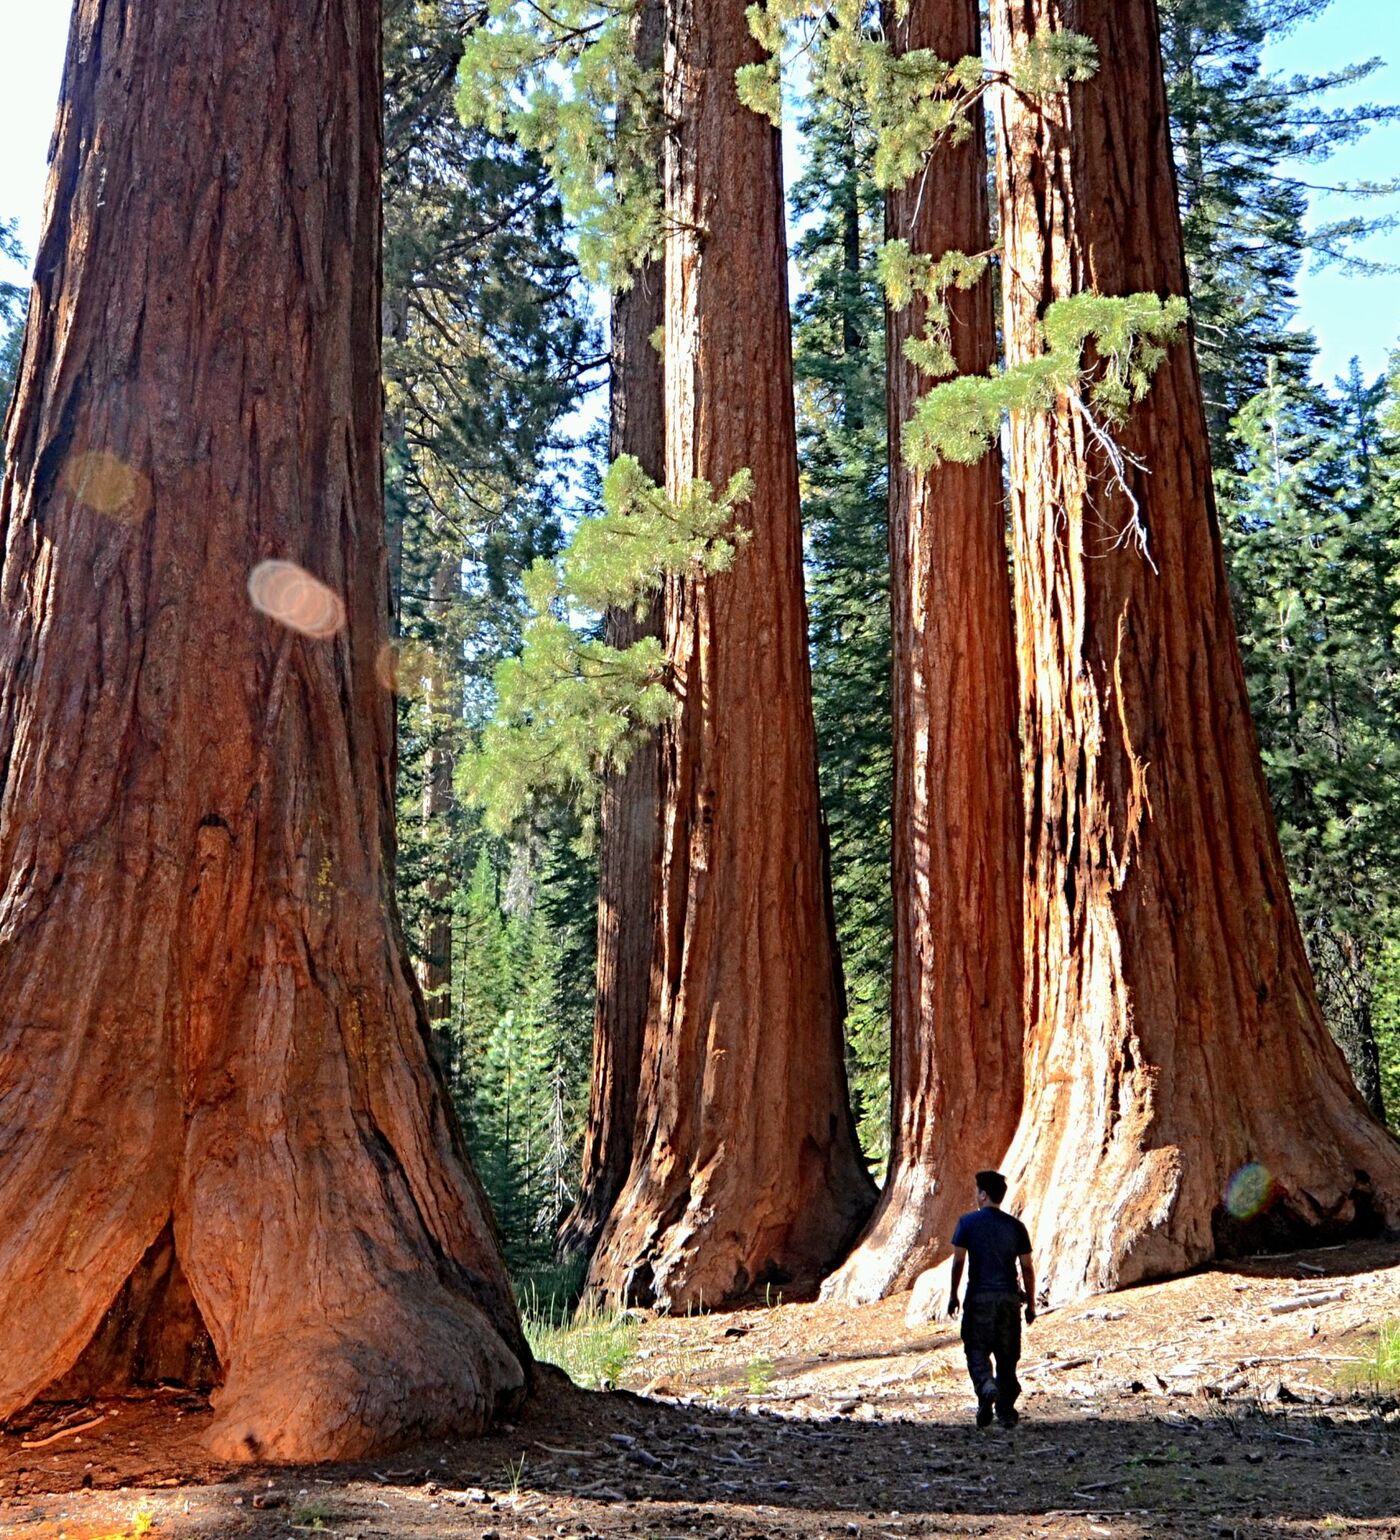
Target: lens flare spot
x=292, y=597
x=104, y=483
x=405, y=668
x=1248, y=1191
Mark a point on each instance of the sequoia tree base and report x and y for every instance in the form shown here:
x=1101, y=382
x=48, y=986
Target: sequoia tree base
x=907, y=1235
x=684, y=1255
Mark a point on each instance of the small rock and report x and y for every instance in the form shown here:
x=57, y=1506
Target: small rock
x=268, y=1500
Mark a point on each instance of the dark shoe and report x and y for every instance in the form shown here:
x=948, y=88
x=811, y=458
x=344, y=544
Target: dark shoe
x=1008, y=1418
x=986, y=1405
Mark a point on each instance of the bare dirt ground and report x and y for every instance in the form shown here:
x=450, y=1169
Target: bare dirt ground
x=1187, y=1409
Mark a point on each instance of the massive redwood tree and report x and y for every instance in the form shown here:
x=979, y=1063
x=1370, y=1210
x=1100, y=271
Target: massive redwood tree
x=629, y=844
x=1175, y=1038
x=222, y=1138
x=955, y=1060
x=746, y=1167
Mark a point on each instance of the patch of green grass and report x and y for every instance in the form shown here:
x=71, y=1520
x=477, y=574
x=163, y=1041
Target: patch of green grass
x=550, y=1291
x=592, y=1348
x=515, y=1474
x=1379, y=1371
x=758, y=1375
x=313, y=1515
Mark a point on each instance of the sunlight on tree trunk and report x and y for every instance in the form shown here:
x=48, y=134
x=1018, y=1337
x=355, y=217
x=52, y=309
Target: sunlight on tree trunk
x=213, y=1056
x=746, y=1168
x=955, y=1061
x=1183, y=1097
x=630, y=815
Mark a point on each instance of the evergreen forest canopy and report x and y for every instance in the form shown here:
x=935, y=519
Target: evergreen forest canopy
x=942, y=716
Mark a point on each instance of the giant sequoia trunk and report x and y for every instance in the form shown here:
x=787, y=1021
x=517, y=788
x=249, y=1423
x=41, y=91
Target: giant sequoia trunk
x=630, y=817
x=955, y=1061
x=218, y=1110
x=746, y=1167
x=1175, y=1036
x=629, y=846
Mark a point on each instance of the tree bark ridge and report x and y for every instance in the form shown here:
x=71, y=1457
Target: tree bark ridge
x=955, y=1065
x=211, y=1032
x=746, y=1168
x=1175, y=1037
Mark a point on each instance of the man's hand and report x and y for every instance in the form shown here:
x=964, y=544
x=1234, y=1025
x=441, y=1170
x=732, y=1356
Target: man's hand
x=1028, y=1285
x=955, y=1282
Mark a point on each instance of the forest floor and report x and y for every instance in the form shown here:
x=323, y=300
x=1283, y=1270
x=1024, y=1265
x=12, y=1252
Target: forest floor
x=1190, y=1409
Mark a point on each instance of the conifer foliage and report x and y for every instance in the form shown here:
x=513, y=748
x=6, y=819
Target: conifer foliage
x=12, y=306
x=1087, y=768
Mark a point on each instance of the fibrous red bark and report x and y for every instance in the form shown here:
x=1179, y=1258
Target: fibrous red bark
x=1183, y=1097
x=955, y=1061
x=218, y=1110
x=629, y=845
x=746, y=1168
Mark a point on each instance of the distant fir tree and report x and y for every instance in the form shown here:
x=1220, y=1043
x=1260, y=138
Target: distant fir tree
x=488, y=345
x=13, y=302
x=1312, y=536
x=525, y=1021
x=1246, y=140
x=487, y=342
x=839, y=365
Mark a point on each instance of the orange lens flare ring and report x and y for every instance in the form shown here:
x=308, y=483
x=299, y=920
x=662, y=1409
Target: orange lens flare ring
x=289, y=595
x=104, y=483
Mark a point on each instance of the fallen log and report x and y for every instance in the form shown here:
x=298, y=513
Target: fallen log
x=1306, y=1301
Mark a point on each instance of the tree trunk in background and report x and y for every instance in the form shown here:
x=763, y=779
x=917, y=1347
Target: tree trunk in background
x=219, y=1107
x=629, y=848
x=443, y=713
x=1174, y=1034
x=746, y=1167
x=630, y=843
x=955, y=1062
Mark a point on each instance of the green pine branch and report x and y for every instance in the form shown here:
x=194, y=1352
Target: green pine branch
x=570, y=707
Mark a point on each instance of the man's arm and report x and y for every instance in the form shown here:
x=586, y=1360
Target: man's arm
x=1028, y=1284
x=959, y=1257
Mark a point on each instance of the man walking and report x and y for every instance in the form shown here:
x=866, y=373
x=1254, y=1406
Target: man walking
x=991, y=1325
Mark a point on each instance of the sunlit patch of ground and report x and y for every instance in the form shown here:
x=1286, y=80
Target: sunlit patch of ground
x=1191, y=1409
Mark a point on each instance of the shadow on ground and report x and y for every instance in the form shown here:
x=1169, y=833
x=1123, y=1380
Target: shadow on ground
x=584, y=1463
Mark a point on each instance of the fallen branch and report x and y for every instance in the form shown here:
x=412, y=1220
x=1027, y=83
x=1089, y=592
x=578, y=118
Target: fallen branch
x=53, y=1438
x=1302, y=1358
x=1052, y=1365
x=1306, y=1301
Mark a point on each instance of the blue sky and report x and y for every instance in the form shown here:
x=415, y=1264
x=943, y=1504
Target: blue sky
x=1350, y=315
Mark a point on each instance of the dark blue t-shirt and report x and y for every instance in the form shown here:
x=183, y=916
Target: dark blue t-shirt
x=993, y=1240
